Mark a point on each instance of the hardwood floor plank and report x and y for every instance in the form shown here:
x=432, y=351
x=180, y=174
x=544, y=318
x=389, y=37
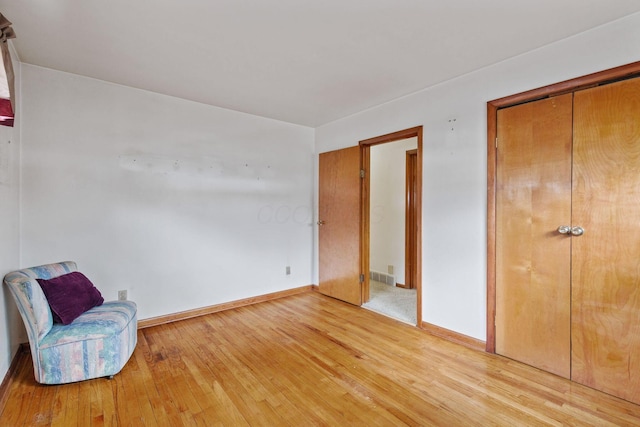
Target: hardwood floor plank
x=43, y=413
x=147, y=389
x=60, y=405
x=309, y=360
x=95, y=403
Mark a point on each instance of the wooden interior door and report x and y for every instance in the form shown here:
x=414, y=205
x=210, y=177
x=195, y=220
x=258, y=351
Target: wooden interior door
x=339, y=225
x=606, y=258
x=533, y=198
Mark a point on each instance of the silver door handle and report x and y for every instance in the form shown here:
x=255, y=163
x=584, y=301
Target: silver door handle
x=577, y=231
x=567, y=229
x=320, y=223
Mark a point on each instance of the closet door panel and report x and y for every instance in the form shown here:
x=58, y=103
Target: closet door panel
x=606, y=258
x=533, y=198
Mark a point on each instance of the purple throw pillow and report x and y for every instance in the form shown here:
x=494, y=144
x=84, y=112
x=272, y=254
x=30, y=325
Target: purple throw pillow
x=70, y=295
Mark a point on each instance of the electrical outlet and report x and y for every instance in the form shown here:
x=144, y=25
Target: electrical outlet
x=122, y=295
x=390, y=269
x=288, y=269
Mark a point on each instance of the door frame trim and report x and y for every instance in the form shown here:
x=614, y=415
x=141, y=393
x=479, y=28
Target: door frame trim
x=365, y=147
x=572, y=85
x=410, y=219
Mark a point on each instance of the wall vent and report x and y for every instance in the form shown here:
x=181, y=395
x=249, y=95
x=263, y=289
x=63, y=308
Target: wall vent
x=388, y=279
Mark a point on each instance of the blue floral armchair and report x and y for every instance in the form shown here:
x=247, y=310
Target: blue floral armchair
x=96, y=344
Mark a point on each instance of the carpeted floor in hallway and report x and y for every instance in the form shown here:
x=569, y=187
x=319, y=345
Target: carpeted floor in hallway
x=393, y=301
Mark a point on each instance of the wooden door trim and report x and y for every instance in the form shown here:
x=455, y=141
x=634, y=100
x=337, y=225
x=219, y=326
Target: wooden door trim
x=365, y=208
x=415, y=132
x=410, y=219
x=595, y=79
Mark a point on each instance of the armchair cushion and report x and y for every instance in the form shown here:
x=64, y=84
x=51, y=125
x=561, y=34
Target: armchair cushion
x=70, y=295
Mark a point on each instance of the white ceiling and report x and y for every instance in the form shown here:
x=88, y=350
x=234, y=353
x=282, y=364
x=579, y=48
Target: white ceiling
x=301, y=61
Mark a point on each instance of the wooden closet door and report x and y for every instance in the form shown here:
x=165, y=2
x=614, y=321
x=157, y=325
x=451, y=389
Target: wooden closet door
x=533, y=198
x=606, y=258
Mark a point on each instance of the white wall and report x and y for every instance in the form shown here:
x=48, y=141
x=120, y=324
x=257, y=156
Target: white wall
x=12, y=332
x=454, y=168
x=388, y=205
x=182, y=204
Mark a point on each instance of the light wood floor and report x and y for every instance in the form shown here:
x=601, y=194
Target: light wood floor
x=309, y=360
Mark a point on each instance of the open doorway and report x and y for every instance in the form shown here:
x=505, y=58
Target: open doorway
x=391, y=224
